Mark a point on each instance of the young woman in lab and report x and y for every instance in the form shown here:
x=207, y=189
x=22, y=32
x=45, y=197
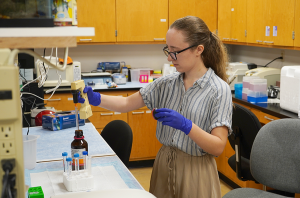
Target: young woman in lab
x=194, y=110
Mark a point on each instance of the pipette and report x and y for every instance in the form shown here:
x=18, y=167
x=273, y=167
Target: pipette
x=76, y=115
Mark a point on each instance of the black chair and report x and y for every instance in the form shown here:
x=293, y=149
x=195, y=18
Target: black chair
x=274, y=160
x=118, y=136
x=245, y=126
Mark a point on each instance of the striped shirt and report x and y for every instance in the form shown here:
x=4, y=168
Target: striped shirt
x=208, y=104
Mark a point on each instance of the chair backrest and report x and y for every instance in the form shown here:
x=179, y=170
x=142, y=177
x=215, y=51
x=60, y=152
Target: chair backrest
x=248, y=125
x=275, y=155
x=118, y=136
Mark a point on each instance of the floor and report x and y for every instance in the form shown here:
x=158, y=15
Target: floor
x=143, y=176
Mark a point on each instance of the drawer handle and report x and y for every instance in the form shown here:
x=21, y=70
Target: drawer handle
x=58, y=99
x=259, y=41
x=234, y=39
x=106, y=114
x=226, y=38
x=141, y=112
x=269, y=42
x=85, y=39
x=159, y=39
x=269, y=118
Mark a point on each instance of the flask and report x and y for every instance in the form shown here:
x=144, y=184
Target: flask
x=125, y=72
x=78, y=146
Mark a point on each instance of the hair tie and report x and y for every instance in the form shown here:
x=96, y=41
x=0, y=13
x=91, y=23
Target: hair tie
x=210, y=33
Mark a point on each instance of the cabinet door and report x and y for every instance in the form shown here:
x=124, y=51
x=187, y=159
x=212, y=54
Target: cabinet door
x=238, y=20
x=101, y=119
x=61, y=101
x=100, y=15
x=297, y=24
x=255, y=21
x=204, y=9
x=281, y=22
x=224, y=20
x=143, y=126
x=142, y=21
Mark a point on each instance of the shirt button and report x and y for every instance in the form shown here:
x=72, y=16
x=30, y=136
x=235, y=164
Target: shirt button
x=172, y=140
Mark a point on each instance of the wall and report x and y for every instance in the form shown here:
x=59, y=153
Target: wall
x=262, y=56
x=137, y=56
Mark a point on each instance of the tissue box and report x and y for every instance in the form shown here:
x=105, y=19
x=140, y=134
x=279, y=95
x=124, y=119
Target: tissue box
x=61, y=120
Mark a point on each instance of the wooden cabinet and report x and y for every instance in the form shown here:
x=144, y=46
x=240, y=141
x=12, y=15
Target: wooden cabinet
x=100, y=15
x=297, y=24
x=101, y=119
x=60, y=101
x=145, y=20
x=199, y=8
x=232, y=20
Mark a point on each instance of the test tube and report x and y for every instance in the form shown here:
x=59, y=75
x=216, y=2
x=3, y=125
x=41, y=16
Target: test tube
x=76, y=156
x=65, y=154
x=84, y=153
x=69, y=166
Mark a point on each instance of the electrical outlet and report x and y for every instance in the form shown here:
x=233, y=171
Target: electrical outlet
x=7, y=148
x=6, y=132
x=282, y=55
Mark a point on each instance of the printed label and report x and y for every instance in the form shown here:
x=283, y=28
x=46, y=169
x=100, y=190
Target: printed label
x=267, y=30
x=274, y=30
x=148, y=111
x=79, y=151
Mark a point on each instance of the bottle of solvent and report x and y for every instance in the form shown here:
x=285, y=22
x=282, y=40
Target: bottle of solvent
x=78, y=146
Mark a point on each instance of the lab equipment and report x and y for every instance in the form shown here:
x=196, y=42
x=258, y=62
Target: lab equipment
x=76, y=159
x=113, y=67
x=78, y=145
x=271, y=74
x=79, y=181
x=38, y=112
x=257, y=92
x=143, y=78
x=290, y=88
x=85, y=109
x=238, y=88
x=125, y=72
x=119, y=79
x=76, y=115
x=94, y=97
x=29, y=145
x=69, y=166
x=35, y=192
x=246, y=85
x=65, y=154
x=71, y=74
x=236, y=71
x=84, y=153
x=135, y=73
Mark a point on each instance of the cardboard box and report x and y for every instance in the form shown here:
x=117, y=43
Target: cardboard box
x=61, y=120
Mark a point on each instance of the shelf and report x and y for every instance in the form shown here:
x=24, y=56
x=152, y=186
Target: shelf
x=42, y=37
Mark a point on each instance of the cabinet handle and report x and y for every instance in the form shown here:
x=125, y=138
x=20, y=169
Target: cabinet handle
x=159, y=39
x=140, y=112
x=58, y=99
x=85, y=39
x=106, y=114
x=259, y=41
x=234, y=39
x=269, y=118
x=269, y=42
x=226, y=38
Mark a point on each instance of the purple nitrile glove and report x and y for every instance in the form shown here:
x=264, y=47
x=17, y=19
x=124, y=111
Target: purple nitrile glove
x=174, y=119
x=94, y=97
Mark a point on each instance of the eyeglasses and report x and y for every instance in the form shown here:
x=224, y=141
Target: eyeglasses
x=173, y=54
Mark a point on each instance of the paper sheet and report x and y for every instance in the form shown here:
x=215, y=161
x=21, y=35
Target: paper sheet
x=105, y=178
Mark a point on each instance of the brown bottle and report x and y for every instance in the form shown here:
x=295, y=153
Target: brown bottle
x=77, y=146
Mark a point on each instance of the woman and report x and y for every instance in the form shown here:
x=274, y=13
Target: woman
x=194, y=109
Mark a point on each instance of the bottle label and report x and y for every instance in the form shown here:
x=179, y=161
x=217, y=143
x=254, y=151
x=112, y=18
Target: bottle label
x=79, y=151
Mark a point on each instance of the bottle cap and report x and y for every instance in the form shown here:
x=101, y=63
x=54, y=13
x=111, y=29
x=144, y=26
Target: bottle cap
x=69, y=159
x=84, y=152
x=64, y=154
x=76, y=155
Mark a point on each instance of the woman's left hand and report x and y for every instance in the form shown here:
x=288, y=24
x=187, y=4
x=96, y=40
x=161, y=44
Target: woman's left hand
x=174, y=119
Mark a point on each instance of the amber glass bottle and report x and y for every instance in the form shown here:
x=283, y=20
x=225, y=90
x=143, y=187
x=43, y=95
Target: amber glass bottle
x=77, y=146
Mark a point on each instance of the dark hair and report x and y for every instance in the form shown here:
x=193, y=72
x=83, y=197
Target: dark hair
x=197, y=33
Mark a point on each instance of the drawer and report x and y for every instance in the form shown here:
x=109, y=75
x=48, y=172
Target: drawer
x=99, y=130
x=101, y=119
x=119, y=93
x=61, y=101
x=266, y=118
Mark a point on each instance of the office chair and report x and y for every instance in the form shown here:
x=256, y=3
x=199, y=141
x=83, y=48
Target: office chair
x=245, y=126
x=274, y=159
x=118, y=136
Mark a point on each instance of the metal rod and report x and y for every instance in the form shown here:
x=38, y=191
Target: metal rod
x=76, y=116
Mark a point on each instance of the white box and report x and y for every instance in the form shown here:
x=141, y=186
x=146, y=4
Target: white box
x=80, y=181
x=290, y=88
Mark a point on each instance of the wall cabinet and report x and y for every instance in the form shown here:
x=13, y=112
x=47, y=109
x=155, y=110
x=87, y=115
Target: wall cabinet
x=232, y=20
x=98, y=14
x=297, y=24
x=145, y=145
x=199, y=8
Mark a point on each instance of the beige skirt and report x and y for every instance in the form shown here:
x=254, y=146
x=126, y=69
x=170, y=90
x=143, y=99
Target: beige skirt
x=179, y=175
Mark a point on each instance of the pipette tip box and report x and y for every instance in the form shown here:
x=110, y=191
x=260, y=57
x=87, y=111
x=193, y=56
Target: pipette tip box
x=80, y=181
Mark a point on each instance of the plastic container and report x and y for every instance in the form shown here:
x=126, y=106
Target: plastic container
x=258, y=84
x=238, y=87
x=135, y=74
x=257, y=96
x=29, y=146
x=125, y=72
x=246, y=85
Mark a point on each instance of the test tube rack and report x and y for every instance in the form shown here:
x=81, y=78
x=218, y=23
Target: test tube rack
x=78, y=181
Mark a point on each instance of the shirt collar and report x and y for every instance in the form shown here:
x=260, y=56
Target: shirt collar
x=203, y=80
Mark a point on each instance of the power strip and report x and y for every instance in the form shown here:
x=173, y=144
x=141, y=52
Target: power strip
x=11, y=141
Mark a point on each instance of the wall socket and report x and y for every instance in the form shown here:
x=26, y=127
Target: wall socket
x=282, y=55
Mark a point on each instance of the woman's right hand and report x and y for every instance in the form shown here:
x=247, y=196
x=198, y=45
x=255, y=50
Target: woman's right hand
x=94, y=97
